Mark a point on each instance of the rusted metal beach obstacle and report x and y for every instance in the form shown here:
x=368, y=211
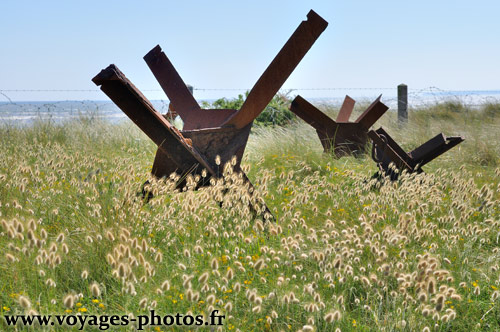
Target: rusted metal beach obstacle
x=340, y=136
x=385, y=151
x=208, y=133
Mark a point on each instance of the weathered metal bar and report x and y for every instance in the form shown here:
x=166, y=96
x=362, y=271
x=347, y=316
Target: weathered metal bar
x=385, y=150
x=279, y=70
x=310, y=114
x=343, y=138
x=172, y=83
x=133, y=103
x=346, y=110
x=434, y=148
x=372, y=113
x=179, y=95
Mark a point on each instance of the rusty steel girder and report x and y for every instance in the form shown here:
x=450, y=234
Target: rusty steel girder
x=340, y=136
x=385, y=151
x=207, y=133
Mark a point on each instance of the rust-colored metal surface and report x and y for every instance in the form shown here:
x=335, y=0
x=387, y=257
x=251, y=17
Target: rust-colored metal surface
x=341, y=136
x=346, y=109
x=279, y=70
x=206, y=133
x=133, y=103
x=386, y=151
x=180, y=97
x=177, y=152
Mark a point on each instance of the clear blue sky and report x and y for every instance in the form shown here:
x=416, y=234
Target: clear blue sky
x=228, y=44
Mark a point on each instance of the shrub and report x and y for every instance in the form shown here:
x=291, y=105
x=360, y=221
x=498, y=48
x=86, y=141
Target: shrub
x=275, y=114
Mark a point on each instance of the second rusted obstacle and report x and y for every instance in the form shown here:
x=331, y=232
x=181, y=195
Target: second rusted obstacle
x=207, y=134
x=340, y=136
x=385, y=151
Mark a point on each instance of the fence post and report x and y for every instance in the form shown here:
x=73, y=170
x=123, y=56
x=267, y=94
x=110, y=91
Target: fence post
x=402, y=103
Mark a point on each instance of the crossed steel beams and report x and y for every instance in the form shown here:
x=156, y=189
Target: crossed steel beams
x=207, y=133
x=344, y=137
x=340, y=136
x=385, y=150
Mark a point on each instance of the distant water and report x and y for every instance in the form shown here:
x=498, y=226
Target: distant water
x=26, y=113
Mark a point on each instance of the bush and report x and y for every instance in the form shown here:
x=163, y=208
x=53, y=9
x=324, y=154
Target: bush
x=275, y=114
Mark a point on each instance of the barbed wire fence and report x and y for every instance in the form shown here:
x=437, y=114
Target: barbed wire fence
x=25, y=111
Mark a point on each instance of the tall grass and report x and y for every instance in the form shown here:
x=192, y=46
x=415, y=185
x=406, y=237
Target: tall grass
x=346, y=253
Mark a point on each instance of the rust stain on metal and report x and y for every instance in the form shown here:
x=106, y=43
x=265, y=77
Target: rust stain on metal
x=386, y=151
x=341, y=136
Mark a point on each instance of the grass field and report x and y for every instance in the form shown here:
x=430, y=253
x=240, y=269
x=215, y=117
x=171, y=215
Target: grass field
x=347, y=253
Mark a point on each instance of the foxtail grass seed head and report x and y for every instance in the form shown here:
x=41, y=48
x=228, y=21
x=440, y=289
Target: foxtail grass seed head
x=165, y=286
x=214, y=264
x=307, y=328
x=69, y=301
x=259, y=264
x=203, y=278
x=24, y=302
x=11, y=258
x=60, y=238
x=439, y=302
x=143, y=303
x=95, y=290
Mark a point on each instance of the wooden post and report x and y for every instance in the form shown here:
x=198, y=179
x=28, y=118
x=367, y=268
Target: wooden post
x=402, y=103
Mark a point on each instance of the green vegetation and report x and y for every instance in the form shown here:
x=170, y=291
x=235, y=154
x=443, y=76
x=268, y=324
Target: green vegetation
x=277, y=113
x=347, y=252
